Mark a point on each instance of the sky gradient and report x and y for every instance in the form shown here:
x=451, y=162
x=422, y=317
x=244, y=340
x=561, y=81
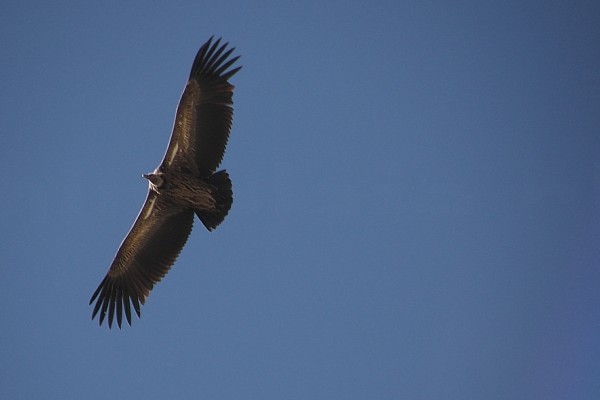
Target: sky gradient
x=416, y=201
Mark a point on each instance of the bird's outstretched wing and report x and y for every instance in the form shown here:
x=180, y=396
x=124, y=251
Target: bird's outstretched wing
x=145, y=256
x=205, y=113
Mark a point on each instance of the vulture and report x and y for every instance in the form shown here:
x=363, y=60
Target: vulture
x=186, y=183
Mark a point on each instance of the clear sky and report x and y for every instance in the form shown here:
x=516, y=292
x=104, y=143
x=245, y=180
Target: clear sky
x=416, y=214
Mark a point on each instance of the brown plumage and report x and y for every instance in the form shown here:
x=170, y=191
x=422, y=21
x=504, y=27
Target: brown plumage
x=185, y=183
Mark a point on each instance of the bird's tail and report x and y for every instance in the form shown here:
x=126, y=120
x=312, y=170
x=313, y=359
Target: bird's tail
x=223, y=196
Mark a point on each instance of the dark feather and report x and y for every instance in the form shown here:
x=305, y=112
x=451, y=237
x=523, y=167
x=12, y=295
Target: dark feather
x=144, y=258
x=205, y=114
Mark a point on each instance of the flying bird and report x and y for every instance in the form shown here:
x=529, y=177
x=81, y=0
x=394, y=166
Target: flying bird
x=185, y=184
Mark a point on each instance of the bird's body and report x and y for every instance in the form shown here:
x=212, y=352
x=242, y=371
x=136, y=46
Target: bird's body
x=183, y=185
x=183, y=189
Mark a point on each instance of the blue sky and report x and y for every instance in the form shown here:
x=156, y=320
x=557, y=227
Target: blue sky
x=416, y=214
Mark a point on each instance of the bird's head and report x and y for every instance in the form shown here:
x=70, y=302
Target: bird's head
x=155, y=178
